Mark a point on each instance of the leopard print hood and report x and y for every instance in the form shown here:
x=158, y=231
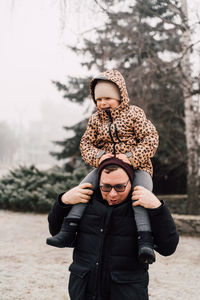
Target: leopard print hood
x=122, y=130
x=116, y=77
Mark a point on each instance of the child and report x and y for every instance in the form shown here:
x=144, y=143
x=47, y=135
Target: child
x=121, y=130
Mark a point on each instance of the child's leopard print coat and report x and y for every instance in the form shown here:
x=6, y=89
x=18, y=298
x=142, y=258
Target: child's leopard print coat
x=123, y=129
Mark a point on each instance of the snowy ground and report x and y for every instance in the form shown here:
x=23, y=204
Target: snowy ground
x=29, y=269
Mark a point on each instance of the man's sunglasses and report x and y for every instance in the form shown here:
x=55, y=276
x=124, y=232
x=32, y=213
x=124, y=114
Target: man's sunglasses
x=118, y=187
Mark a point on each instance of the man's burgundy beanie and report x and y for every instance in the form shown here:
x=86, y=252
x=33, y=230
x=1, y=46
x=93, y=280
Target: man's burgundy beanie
x=115, y=161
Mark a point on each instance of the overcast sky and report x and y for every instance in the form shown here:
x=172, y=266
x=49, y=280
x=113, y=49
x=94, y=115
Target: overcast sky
x=33, y=53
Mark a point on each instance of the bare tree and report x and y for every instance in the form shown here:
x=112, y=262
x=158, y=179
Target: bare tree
x=191, y=124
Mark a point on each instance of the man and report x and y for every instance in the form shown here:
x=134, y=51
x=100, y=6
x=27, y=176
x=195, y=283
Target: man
x=105, y=260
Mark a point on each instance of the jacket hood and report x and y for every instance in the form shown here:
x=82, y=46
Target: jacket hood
x=116, y=77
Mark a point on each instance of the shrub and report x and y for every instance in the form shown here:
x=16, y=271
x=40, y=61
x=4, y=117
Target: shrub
x=30, y=189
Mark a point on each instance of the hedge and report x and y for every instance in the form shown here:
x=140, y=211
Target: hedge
x=29, y=189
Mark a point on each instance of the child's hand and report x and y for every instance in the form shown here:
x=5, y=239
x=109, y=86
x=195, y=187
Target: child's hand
x=124, y=158
x=105, y=156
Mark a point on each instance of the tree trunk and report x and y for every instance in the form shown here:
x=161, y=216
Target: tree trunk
x=191, y=125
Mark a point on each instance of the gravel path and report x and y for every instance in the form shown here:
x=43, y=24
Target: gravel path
x=29, y=269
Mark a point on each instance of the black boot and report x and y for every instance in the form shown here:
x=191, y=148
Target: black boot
x=145, y=247
x=66, y=237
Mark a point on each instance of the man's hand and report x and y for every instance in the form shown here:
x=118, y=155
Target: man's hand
x=105, y=156
x=145, y=198
x=79, y=194
x=124, y=158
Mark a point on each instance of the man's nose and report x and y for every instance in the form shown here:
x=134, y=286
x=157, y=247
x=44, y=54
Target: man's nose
x=113, y=192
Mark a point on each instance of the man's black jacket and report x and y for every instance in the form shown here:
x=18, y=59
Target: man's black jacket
x=105, y=264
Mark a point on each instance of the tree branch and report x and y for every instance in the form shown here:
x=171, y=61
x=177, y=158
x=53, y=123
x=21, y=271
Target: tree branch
x=183, y=28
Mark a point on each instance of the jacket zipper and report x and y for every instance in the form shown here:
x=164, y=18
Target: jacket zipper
x=110, y=133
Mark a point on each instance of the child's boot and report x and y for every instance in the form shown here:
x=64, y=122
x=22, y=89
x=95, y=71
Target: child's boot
x=67, y=235
x=145, y=247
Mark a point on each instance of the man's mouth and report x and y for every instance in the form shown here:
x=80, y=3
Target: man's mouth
x=113, y=202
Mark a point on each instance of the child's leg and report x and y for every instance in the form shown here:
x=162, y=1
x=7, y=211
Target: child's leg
x=67, y=235
x=77, y=210
x=145, y=240
x=142, y=178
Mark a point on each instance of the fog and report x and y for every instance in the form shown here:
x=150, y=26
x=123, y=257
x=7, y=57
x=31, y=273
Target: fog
x=34, y=38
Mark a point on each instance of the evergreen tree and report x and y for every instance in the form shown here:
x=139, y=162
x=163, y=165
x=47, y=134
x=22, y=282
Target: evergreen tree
x=30, y=189
x=143, y=42
x=71, y=147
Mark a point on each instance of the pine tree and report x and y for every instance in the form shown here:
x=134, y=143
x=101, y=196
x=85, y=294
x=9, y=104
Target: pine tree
x=71, y=146
x=143, y=41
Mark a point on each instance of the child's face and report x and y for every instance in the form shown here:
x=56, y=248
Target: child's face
x=105, y=103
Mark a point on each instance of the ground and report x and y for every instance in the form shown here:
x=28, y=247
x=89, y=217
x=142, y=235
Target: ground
x=29, y=269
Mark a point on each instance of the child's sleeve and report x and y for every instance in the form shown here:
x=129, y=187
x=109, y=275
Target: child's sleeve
x=147, y=139
x=88, y=146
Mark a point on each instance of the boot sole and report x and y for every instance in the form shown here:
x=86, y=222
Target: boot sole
x=54, y=244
